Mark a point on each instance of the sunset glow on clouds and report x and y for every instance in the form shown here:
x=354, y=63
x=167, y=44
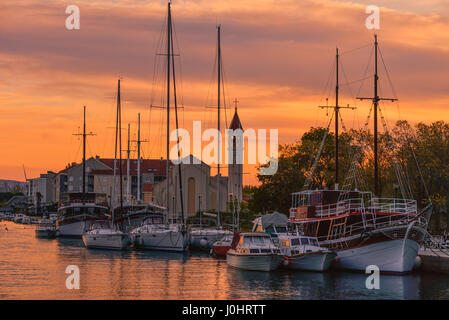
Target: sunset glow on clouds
x=277, y=58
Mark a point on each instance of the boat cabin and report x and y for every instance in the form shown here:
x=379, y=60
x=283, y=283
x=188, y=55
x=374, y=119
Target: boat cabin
x=100, y=224
x=253, y=242
x=328, y=214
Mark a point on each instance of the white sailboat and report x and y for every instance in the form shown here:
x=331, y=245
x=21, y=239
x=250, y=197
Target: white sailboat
x=166, y=235
x=107, y=234
x=201, y=237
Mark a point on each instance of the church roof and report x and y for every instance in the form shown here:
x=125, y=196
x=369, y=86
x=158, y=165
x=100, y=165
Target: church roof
x=235, y=123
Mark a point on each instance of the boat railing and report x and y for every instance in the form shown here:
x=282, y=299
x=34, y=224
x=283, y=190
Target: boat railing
x=340, y=207
x=358, y=228
x=393, y=205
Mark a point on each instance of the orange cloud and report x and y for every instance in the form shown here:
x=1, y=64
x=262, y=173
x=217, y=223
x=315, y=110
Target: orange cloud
x=277, y=58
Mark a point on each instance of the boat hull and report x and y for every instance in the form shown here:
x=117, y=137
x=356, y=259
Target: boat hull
x=205, y=241
x=220, y=251
x=117, y=241
x=171, y=240
x=74, y=229
x=313, y=261
x=254, y=262
x=393, y=256
x=48, y=234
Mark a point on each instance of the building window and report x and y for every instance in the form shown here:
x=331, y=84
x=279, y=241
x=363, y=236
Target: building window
x=90, y=183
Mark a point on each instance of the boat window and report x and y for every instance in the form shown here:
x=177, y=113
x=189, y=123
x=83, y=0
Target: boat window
x=270, y=229
x=304, y=241
x=313, y=242
x=255, y=240
x=253, y=250
x=295, y=242
x=285, y=243
x=281, y=229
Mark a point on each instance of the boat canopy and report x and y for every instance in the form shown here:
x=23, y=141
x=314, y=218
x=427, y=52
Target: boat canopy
x=276, y=219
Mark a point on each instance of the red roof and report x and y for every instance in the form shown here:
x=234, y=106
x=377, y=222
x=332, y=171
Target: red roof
x=155, y=166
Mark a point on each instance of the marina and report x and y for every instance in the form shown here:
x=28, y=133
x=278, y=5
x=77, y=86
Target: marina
x=321, y=193
x=33, y=268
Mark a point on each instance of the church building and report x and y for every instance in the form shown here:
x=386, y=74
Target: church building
x=199, y=188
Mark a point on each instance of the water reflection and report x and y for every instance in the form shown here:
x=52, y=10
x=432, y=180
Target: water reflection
x=32, y=268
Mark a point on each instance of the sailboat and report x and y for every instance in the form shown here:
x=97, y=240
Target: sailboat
x=361, y=227
x=134, y=211
x=156, y=233
x=105, y=234
x=204, y=238
x=79, y=209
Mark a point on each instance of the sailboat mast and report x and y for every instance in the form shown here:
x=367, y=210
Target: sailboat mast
x=336, y=109
x=218, y=124
x=127, y=165
x=138, y=157
x=376, y=102
x=167, y=197
x=336, y=121
x=120, y=145
x=177, y=132
x=84, y=152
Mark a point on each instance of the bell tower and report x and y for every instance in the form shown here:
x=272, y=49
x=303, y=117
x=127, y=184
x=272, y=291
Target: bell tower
x=235, y=170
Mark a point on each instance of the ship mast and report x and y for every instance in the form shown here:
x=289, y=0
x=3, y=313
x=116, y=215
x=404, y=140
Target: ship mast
x=119, y=120
x=171, y=60
x=218, y=122
x=128, y=169
x=336, y=108
x=84, y=134
x=375, y=101
x=167, y=196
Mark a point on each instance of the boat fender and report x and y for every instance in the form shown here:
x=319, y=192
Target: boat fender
x=203, y=242
x=285, y=262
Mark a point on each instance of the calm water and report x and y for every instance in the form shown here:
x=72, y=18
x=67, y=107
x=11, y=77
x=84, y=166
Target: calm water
x=33, y=268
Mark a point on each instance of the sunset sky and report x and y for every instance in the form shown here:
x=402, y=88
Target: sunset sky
x=277, y=58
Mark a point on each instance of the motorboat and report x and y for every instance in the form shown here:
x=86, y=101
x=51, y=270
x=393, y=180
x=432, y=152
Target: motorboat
x=204, y=238
x=18, y=218
x=103, y=234
x=300, y=252
x=253, y=251
x=221, y=247
x=45, y=229
x=305, y=253
x=26, y=220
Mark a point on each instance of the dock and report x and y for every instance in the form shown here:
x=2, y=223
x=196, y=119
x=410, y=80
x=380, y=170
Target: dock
x=434, y=260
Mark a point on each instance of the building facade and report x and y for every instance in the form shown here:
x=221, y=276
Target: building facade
x=100, y=179
x=40, y=191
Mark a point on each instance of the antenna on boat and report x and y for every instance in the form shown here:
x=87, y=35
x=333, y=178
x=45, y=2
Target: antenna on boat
x=84, y=135
x=375, y=101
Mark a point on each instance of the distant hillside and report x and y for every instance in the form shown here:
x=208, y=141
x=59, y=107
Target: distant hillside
x=12, y=186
